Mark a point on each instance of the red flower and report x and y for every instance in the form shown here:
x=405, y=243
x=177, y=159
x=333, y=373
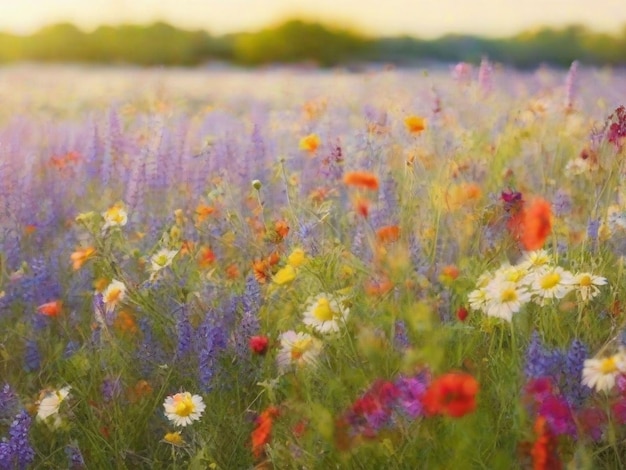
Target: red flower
x=51, y=309
x=462, y=313
x=259, y=344
x=361, y=179
x=452, y=394
x=544, y=448
x=537, y=225
x=261, y=434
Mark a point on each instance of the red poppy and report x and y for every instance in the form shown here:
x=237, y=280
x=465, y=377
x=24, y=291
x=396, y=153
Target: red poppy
x=261, y=434
x=259, y=344
x=388, y=234
x=452, y=394
x=363, y=179
x=51, y=309
x=537, y=224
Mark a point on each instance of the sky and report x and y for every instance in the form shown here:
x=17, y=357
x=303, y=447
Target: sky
x=421, y=18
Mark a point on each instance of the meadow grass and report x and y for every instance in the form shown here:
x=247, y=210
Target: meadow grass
x=307, y=270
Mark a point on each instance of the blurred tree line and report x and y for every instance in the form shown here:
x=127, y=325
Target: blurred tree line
x=297, y=41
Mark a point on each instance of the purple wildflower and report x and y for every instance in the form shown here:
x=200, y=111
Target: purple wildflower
x=562, y=203
x=111, y=389
x=32, y=356
x=8, y=402
x=411, y=390
x=570, y=86
x=184, y=331
x=557, y=412
x=75, y=457
x=16, y=451
x=212, y=340
x=401, y=339
x=574, y=391
x=540, y=362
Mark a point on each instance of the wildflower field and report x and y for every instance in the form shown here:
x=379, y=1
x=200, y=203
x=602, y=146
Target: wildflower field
x=299, y=269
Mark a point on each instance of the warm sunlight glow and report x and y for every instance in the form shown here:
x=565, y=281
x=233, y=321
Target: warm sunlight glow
x=418, y=18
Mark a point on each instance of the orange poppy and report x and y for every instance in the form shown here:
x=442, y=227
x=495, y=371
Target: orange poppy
x=51, y=309
x=206, y=257
x=452, y=394
x=203, y=211
x=388, y=234
x=261, y=434
x=310, y=143
x=362, y=179
x=80, y=256
x=536, y=224
x=543, y=451
x=415, y=124
x=232, y=271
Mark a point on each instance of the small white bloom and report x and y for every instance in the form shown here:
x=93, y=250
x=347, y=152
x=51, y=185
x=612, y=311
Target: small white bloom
x=183, y=408
x=325, y=313
x=297, y=349
x=587, y=285
x=551, y=283
x=49, y=405
x=533, y=260
x=114, y=293
x=505, y=298
x=162, y=259
x=601, y=373
x=115, y=216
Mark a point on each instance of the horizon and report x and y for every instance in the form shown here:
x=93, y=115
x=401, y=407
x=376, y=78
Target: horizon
x=486, y=18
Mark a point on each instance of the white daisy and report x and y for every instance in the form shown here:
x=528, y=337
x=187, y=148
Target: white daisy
x=505, y=298
x=113, y=294
x=49, y=405
x=162, y=259
x=183, y=408
x=325, y=313
x=517, y=274
x=478, y=298
x=601, y=373
x=587, y=285
x=551, y=283
x=297, y=349
x=533, y=260
x=115, y=216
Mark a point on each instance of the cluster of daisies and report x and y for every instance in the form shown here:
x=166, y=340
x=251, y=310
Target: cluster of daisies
x=325, y=314
x=534, y=279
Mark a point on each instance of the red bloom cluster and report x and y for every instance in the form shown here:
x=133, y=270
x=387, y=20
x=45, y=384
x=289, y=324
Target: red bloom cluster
x=452, y=394
x=262, y=433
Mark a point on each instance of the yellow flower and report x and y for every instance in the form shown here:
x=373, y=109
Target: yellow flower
x=310, y=143
x=296, y=258
x=174, y=438
x=415, y=124
x=285, y=275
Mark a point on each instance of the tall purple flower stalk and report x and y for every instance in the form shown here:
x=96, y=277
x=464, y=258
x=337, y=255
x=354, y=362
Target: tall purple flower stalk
x=184, y=332
x=212, y=339
x=570, y=86
x=16, y=451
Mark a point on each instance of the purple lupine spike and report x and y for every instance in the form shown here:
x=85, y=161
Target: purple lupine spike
x=16, y=451
x=184, y=332
x=8, y=402
x=574, y=390
x=32, y=356
x=540, y=362
x=74, y=457
x=562, y=203
x=212, y=339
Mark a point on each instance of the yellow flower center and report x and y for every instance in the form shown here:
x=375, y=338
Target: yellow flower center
x=550, y=280
x=515, y=275
x=173, y=438
x=300, y=347
x=161, y=260
x=115, y=215
x=585, y=280
x=113, y=295
x=183, y=405
x=608, y=365
x=508, y=295
x=322, y=310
